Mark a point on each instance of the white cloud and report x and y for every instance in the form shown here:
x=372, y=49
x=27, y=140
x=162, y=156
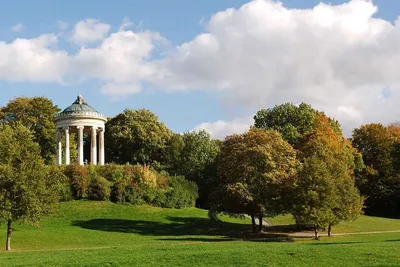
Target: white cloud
x=18, y=27
x=336, y=57
x=88, y=31
x=122, y=61
x=220, y=129
x=33, y=60
x=339, y=58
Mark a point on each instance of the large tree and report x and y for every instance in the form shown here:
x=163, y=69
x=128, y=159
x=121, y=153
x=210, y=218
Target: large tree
x=136, y=136
x=325, y=191
x=255, y=168
x=380, y=181
x=196, y=160
x=27, y=190
x=37, y=114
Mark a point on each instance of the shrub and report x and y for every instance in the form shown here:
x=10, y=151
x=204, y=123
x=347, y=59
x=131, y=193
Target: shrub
x=78, y=180
x=182, y=193
x=133, y=184
x=63, y=185
x=112, y=172
x=125, y=190
x=99, y=188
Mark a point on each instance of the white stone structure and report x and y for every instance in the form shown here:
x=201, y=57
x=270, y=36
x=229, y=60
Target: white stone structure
x=81, y=118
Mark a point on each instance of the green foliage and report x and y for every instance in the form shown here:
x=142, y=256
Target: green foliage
x=254, y=170
x=78, y=179
x=292, y=121
x=181, y=193
x=193, y=155
x=63, y=189
x=380, y=180
x=26, y=185
x=136, y=136
x=325, y=192
x=37, y=114
x=130, y=184
x=99, y=188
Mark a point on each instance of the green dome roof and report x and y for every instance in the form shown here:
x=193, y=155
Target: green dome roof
x=76, y=107
x=79, y=107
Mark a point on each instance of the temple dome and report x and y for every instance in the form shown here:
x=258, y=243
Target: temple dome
x=79, y=107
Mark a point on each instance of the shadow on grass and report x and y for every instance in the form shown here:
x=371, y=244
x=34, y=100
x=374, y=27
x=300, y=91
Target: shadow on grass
x=290, y=228
x=178, y=227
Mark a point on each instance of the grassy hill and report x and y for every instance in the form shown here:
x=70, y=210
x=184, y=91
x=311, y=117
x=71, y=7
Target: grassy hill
x=84, y=233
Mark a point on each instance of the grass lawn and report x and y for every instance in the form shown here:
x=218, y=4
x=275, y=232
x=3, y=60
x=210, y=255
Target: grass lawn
x=84, y=233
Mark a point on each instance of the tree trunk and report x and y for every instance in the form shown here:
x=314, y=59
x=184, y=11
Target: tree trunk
x=8, y=242
x=253, y=223
x=297, y=223
x=260, y=223
x=316, y=231
x=329, y=230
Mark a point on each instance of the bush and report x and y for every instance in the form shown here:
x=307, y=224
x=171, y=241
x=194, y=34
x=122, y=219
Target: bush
x=182, y=193
x=133, y=184
x=125, y=190
x=63, y=185
x=78, y=180
x=112, y=172
x=99, y=188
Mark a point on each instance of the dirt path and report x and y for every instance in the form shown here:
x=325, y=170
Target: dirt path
x=311, y=233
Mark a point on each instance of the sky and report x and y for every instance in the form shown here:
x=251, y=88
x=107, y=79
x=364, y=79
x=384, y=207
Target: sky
x=206, y=64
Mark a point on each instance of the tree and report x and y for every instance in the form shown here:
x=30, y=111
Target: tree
x=254, y=169
x=37, y=114
x=292, y=121
x=325, y=192
x=196, y=161
x=136, y=136
x=380, y=180
x=27, y=191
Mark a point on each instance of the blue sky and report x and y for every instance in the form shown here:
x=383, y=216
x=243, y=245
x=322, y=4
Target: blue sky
x=211, y=102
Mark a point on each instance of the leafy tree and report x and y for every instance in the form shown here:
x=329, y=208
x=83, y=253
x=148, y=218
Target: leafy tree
x=27, y=191
x=197, y=161
x=37, y=114
x=380, y=180
x=254, y=169
x=136, y=136
x=292, y=121
x=325, y=192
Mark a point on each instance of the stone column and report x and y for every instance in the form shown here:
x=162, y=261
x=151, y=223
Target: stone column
x=67, y=157
x=80, y=144
x=101, y=146
x=59, y=148
x=93, y=146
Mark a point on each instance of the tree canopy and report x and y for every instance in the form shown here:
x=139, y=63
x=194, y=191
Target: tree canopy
x=136, y=136
x=254, y=169
x=292, y=121
x=380, y=180
x=37, y=114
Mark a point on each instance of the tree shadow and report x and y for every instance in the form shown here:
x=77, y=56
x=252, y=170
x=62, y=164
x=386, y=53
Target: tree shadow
x=392, y=240
x=179, y=227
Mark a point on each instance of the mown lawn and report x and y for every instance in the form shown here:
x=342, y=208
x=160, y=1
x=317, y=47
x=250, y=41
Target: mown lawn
x=84, y=233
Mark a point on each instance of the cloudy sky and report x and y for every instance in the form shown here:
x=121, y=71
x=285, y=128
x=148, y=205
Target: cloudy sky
x=206, y=64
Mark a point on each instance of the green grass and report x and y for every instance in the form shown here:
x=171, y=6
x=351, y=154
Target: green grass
x=83, y=233
x=362, y=224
